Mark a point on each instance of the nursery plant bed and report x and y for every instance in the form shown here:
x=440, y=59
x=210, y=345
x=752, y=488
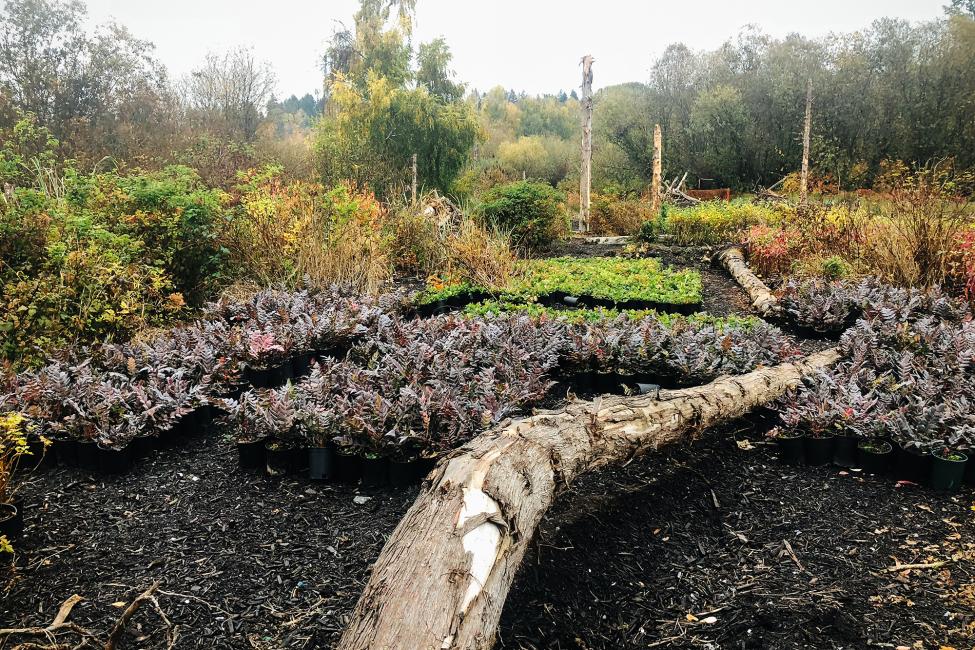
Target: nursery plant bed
x=641, y=283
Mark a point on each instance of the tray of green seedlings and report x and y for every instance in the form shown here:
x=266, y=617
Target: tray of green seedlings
x=577, y=315
x=635, y=284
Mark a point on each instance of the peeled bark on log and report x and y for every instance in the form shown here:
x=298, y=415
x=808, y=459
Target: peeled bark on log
x=762, y=298
x=443, y=576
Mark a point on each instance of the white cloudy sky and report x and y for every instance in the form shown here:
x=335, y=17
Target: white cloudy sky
x=527, y=45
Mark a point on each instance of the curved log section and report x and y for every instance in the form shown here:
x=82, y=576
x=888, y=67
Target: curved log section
x=762, y=299
x=442, y=578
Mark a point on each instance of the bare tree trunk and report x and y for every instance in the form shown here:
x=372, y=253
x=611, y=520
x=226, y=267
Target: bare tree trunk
x=807, y=131
x=762, y=298
x=657, y=169
x=413, y=186
x=443, y=576
x=585, y=182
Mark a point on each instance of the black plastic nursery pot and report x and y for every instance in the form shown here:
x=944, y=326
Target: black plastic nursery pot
x=114, y=461
x=279, y=460
x=279, y=375
x=251, y=454
x=792, y=449
x=321, y=463
x=912, y=465
x=66, y=452
x=88, y=456
x=375, y=472
x=40, y=456
x=845, y=451
x=875, y=456
x=409, y=472
x=819, y=451
x=256, y=377
x=141, y=447
x=11, y=520
x=301, y=364
x=948, y=470
x=348, y=467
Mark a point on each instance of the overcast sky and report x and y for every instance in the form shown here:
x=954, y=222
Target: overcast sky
x=527, y=45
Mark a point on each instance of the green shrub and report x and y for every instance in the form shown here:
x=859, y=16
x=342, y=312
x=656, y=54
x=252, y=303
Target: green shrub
x=533, y=213
x=835, y=267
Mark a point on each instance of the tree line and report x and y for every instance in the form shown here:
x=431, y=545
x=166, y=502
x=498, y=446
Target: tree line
x=893, y=91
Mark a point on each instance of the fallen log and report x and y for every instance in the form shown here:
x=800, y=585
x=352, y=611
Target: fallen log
x=763, y=300
x=442, y=578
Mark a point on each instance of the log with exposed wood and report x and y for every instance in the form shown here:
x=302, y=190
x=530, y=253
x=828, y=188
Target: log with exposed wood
x=763, y=300
x=443, y=576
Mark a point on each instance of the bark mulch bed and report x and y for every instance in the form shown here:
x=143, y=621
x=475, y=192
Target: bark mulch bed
x=245, y=561
x=712, y=546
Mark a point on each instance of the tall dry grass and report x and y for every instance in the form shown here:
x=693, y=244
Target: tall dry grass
x=913, y=237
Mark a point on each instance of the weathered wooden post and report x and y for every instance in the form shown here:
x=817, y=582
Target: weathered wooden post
x=413, y=186
x=804, y=179
x=585, y=182
x=657, y=167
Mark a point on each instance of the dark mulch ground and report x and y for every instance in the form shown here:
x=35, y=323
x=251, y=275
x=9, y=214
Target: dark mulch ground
x=245, y=561
x=780, y=557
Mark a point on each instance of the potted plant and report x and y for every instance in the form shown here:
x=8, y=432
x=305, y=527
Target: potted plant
x=947, y=468
x=316, y=425
x=13, y=447
x=874, y=455
x=791, y=445
x=916, y=436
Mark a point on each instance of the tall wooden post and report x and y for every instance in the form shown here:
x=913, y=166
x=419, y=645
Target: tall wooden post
x=413, y=186
x=585, y=181
x=804, y=180
x=657, y=168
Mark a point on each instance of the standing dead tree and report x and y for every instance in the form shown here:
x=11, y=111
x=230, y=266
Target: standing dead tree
x=585, y=180
x=657, y=170
x=806, y=133
x=442, y=578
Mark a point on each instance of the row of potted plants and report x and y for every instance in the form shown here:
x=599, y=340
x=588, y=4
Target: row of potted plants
x=418, y=388
x=97, y=402
x=828, y=308
x=904, y=395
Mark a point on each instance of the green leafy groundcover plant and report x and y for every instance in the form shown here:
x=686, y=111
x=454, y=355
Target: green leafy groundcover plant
x=603, y=278
x=599, y=314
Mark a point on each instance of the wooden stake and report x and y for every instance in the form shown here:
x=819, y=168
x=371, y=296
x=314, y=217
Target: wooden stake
x=413, y=187
x=804, y=180
x=585, y=181
x=657, y=167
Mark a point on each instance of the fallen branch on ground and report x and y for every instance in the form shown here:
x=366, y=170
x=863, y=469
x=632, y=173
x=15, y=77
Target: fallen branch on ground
x=763, y=300
x=443, y=576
